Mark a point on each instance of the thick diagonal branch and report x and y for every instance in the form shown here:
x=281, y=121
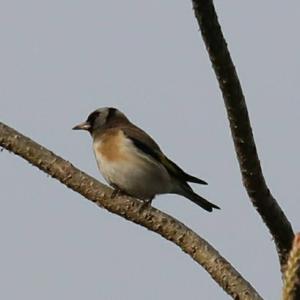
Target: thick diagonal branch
x=241, y=131
x=171, y=229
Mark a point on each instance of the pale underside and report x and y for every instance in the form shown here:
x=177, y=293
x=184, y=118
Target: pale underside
x=128, y=168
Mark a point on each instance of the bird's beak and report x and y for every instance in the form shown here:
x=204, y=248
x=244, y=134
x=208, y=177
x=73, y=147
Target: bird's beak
x=82, y=126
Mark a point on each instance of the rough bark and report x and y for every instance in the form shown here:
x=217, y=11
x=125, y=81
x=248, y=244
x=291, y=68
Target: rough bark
x=131, y=209
x=252, y=175
x=291, y=284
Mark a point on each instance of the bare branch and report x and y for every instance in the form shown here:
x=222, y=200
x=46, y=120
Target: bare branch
x=291, y=286
x=253, y=179
x=171, y=229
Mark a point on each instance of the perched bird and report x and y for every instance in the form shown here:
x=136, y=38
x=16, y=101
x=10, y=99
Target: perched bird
x=132, y=162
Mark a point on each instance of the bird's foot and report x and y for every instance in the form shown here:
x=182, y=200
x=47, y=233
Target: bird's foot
x=116, y=192
x=146, y=203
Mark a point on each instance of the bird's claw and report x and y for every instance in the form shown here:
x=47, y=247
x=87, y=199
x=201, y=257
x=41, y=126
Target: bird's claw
x=146, y=203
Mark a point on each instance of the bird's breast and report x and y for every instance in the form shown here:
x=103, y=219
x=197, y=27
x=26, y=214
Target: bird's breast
x=122, y=164
x=110, y=146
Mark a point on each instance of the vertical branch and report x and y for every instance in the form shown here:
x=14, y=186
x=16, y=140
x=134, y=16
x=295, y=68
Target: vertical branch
x=253, y=179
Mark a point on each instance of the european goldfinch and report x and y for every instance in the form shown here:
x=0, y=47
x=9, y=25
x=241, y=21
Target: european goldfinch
x=132, y=162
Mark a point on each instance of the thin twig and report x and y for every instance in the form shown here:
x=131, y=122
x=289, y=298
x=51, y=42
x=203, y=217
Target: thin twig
x=153, y=219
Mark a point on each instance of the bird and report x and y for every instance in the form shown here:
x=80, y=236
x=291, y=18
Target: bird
x=133, y=163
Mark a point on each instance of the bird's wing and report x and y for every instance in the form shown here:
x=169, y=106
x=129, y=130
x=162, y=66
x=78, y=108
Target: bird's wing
x=149, y=147
x=142, y=141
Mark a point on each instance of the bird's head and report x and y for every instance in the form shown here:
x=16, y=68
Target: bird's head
x=101, y=118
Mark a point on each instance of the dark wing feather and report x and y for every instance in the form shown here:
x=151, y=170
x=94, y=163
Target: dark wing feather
x=140, y=137
x=148, y=146
x=178, y=172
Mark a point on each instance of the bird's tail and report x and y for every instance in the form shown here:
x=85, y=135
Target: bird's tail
x=197, y=199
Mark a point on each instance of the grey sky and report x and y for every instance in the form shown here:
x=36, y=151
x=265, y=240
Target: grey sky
x=62, y=59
